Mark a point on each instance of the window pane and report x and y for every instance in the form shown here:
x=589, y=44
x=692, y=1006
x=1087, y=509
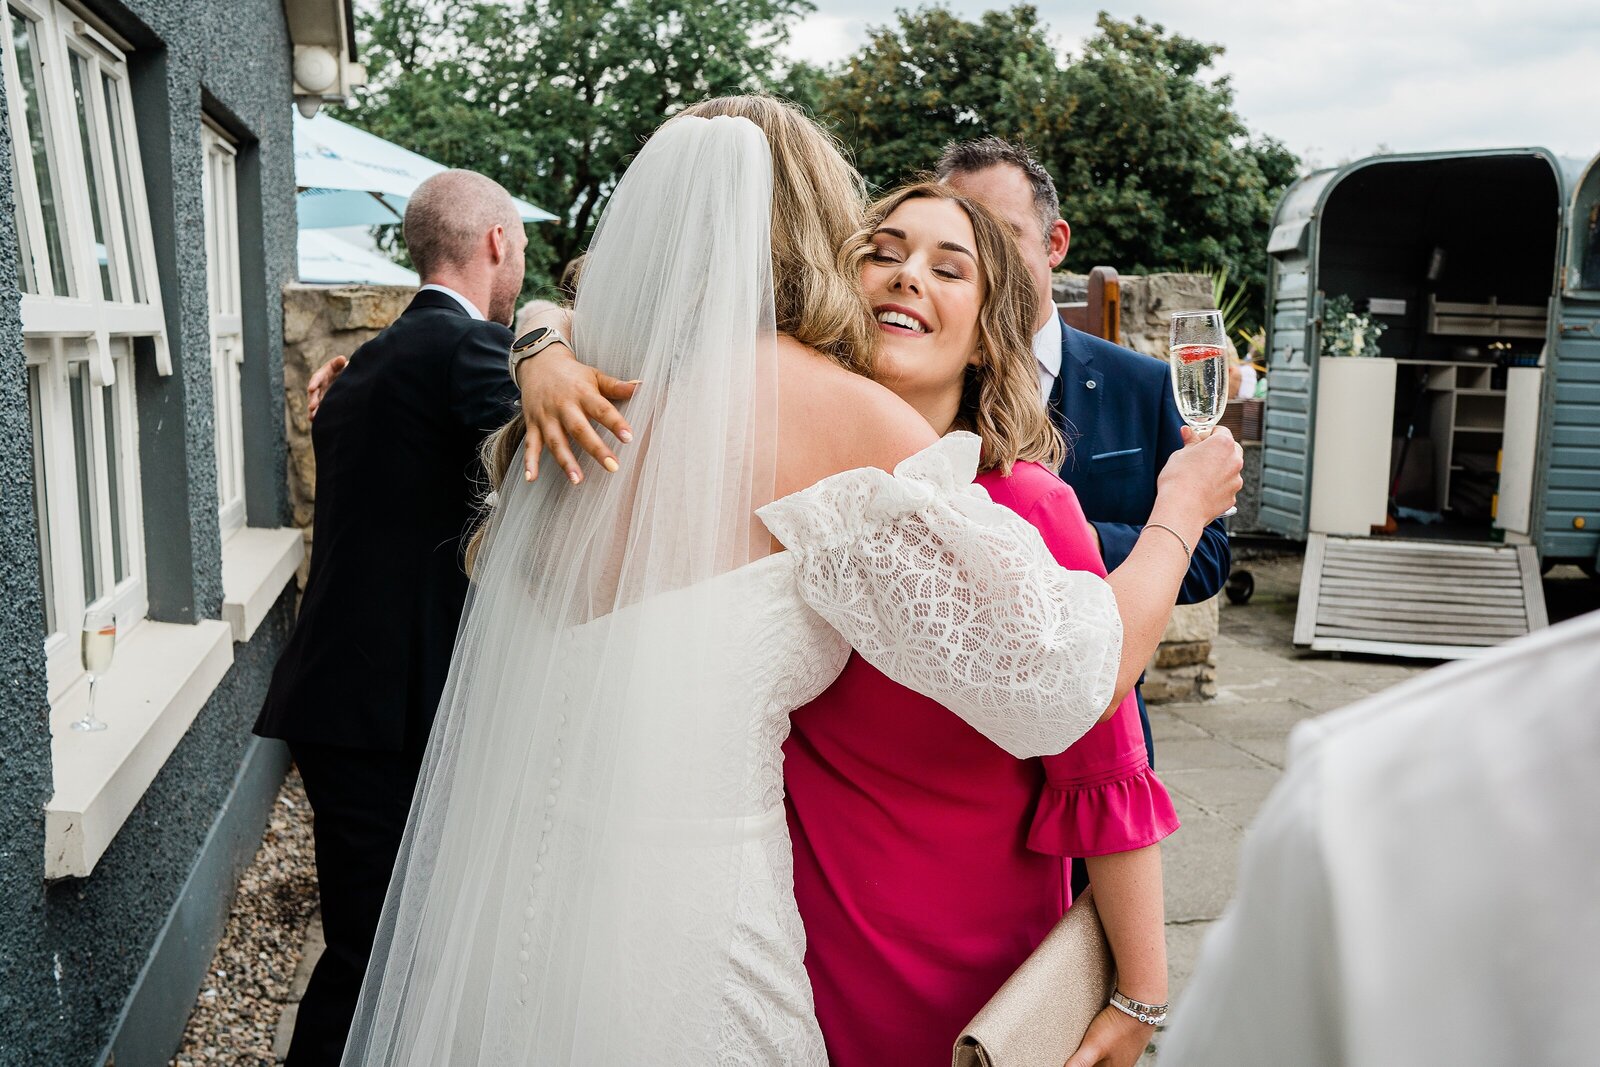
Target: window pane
x=25, y=275
x=78, y=387
x=91, y=167
x=41, y=497
x=22, y=34
x=109, y=397
x=219, y=422
x=119, y=162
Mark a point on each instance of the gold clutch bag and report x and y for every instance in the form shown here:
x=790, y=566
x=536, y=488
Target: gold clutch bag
x=1039, y=1017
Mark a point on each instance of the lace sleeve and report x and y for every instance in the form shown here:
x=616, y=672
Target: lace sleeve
x=956, y=597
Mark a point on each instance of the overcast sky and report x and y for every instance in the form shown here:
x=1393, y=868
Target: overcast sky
x=1335, y=79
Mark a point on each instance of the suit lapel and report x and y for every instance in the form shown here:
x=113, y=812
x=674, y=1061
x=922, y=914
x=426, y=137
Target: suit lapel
x=1077, y=400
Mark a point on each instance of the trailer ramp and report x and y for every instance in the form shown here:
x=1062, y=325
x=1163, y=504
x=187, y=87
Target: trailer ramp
x=1422, y=599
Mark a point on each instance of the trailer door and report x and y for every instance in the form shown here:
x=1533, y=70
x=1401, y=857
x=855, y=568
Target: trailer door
x=1291, y=331
x=1572, y=463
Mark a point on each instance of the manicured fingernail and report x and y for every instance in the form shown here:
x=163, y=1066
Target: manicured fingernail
x=637, y=381
x=626, y=437
x=527, y=474
x=609, y=464
x=575, y=476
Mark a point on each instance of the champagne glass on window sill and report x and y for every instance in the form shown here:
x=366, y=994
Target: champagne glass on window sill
x=1198, y=355
x=99, y=642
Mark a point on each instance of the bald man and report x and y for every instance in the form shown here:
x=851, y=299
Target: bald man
x=396, y=439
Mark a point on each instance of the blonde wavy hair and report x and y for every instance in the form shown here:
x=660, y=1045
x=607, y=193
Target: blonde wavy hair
x=1000, y=396
x=818, y=203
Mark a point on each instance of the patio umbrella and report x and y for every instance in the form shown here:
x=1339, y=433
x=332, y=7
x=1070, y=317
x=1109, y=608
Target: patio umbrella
x=327, y=259
x=348, y=177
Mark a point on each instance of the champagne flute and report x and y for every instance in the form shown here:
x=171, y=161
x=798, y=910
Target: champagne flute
x=99, y=642
x=1198, y=356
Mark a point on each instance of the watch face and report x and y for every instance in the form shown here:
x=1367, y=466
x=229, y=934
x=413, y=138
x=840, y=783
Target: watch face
x=529, y=339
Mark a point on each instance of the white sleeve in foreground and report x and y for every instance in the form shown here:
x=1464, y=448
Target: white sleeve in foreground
x=1266, y=989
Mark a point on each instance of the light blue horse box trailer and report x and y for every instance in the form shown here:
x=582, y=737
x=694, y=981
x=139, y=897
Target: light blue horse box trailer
x=1431, y=483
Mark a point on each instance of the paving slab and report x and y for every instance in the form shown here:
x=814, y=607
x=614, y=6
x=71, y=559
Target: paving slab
x=1199, y=863
x=1235, y=793
x=1272, y=750
x=1262, y=684
x=1235, y=719
x=1182, y=754
x=1183, y=949
x=1319, y=694
x=1165, y=726
x=1367, y=673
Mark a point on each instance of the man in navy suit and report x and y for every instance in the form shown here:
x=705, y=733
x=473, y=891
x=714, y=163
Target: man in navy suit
x=1114, y=405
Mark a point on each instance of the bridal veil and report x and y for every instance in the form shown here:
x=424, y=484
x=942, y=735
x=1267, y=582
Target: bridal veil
x=569, y=880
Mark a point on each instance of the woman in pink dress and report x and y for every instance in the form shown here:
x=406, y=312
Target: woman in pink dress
x=928, y=862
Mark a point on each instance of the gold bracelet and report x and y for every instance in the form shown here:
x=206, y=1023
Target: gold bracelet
x=1162, y=526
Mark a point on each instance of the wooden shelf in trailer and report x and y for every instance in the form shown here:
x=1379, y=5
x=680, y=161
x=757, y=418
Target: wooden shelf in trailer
x=1493, y=319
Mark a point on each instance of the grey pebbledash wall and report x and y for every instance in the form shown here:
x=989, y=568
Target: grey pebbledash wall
x=105, y=967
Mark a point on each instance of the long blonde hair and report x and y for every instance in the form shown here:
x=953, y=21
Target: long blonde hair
x=818, y=202
x=1000, y=396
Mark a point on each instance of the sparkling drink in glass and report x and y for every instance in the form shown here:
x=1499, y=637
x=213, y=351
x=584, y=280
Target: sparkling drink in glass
x=1198, y=357
x=99, y=642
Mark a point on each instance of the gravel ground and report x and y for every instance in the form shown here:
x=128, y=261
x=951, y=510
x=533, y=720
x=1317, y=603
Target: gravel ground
x=249, y=981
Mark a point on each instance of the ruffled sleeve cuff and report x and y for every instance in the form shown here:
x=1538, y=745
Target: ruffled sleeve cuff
x=838, y=509
x=1100, y=818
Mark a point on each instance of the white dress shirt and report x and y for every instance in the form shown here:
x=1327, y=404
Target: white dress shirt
x=1423, y=885
x=1047, y=350
x=466, y=305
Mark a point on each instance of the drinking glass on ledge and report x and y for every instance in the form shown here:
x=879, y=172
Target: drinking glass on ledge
x=99, y=642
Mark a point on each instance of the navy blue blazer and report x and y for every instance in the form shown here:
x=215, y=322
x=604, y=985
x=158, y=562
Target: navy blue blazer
x=1116, y=410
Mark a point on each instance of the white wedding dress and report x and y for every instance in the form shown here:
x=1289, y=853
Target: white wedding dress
x=863, y=556
x=598, y=869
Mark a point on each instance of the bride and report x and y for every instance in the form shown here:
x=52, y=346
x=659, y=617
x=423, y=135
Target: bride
x=597, y=868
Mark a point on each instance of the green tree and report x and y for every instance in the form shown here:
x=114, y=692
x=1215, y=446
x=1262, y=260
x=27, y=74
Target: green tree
x=1154, y=167
x=935, y=77
x=552, y=97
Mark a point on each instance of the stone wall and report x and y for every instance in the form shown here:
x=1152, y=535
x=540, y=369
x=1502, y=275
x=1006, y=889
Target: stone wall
x=1183, y=667
x=320, y=322
x=1148, y=301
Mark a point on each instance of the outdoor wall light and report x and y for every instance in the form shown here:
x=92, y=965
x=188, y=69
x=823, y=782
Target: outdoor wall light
x=316, y=68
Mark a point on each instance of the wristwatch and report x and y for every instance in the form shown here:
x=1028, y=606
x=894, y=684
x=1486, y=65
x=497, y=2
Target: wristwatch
x=532, y=343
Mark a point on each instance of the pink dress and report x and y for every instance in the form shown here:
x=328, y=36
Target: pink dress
x=928, y=862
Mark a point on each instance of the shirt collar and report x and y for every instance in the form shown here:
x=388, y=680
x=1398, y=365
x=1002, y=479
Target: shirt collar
x=1047, y=344
x=466, y=305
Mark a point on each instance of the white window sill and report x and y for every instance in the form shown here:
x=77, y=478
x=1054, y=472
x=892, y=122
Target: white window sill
x=256, y=564
x=160, y=677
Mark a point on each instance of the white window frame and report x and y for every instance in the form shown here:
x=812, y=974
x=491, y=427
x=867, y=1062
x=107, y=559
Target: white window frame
x=57, y=456
x=221, y=194
x=85, y=328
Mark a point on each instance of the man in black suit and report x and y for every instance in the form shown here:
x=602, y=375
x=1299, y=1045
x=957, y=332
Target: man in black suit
x=396, y=439
x=1114, y=405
